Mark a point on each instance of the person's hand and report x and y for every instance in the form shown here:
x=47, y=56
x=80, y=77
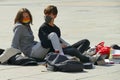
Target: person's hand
x=63, y=45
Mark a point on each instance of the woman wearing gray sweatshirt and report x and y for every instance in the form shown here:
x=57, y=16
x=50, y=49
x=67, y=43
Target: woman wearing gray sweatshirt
x=23, y=38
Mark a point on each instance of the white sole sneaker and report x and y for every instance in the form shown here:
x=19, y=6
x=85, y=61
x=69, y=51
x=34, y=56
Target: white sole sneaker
x=95, y=57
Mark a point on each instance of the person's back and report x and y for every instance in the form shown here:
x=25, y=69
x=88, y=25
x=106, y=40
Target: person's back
x=23, y=38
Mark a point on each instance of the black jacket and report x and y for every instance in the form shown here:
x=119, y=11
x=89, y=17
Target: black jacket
x=44, y=30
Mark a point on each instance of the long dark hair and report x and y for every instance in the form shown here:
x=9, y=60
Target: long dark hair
x=19, y=16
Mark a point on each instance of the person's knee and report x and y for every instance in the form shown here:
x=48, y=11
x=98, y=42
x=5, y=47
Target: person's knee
x=52, y=35
x=86, y=41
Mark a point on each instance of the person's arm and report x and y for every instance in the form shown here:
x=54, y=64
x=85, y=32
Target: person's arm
x=16, y=38
x=64, y=42
x=43, y=36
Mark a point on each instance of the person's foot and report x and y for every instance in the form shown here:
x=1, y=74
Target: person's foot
x=100, y=61
x=90, y=51
x=94, y=58
x=58, y=52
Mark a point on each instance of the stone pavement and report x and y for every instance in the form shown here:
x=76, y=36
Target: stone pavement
x=109, y=72
x=97, y=20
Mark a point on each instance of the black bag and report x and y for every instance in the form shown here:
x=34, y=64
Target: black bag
x=18, y=59
x=88, y=65
x=115, y=46
x=56, y=62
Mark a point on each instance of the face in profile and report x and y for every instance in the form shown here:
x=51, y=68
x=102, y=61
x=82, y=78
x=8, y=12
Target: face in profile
x=26, y=18
x=49, y=17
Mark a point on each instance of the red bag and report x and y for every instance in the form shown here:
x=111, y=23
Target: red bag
x=103, y=50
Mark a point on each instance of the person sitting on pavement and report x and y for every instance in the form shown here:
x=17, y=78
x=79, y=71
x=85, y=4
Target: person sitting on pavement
x=50, y=37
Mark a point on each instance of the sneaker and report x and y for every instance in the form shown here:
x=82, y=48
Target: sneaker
x=94, y=58
x=100, y=61
x=90, y=52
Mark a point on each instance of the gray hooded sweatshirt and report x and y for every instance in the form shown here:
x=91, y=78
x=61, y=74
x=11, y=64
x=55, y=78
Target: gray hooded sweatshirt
x=23, y=38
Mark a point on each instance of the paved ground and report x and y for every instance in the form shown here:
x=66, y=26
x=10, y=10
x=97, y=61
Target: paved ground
x=40, y=73
x=97, y=20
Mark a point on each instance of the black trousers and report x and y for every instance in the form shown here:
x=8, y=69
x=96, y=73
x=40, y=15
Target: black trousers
x=77, y=49
x=82, y=45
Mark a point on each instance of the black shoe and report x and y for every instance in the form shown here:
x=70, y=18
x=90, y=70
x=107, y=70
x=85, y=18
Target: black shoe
x=1, y=51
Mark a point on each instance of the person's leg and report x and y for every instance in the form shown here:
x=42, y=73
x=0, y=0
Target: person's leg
x=38, y=51
x=55, y=42
x=8, y=53
x=82, y=45
x=74, y=52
